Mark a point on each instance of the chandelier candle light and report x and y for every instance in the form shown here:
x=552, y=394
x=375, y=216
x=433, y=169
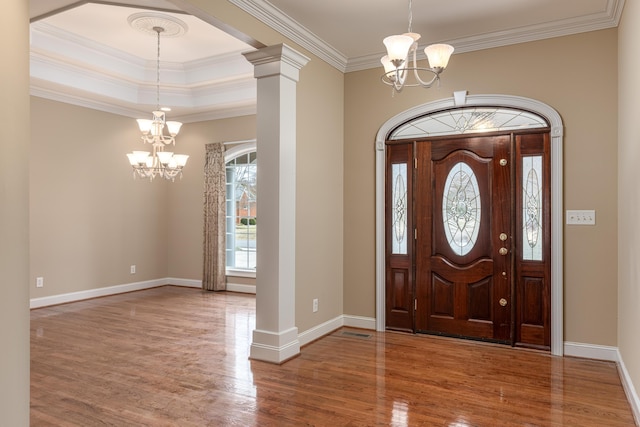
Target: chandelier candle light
x=399, y=50
x=158, y=162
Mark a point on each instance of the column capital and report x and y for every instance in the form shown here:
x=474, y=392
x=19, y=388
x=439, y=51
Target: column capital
x=278, y=59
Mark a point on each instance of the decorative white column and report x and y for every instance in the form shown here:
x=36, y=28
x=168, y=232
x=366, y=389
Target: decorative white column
x=275, y=338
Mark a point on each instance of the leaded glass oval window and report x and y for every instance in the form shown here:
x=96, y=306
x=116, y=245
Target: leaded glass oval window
x=461, y=209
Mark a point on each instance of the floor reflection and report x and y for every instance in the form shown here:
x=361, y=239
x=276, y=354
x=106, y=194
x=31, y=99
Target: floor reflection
x=180, y=357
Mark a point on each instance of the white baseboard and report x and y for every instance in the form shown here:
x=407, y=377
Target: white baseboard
x=129, y=287
x=591, y=351
x=244, y=289
x=188, y=283
x=320, y=330
x=94, y=293
x=359, y=322
x=629, y=389
x=331, y=325
x=231, y=287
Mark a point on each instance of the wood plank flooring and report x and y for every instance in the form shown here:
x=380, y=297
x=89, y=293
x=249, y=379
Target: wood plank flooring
x=174, y=356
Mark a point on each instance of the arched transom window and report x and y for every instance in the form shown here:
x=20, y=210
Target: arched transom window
x=468, y=120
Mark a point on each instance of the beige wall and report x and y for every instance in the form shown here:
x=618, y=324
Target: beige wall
x=14, y=214
x=89, y=219
x=319, y=194
x=559, y=72
x=629, y=196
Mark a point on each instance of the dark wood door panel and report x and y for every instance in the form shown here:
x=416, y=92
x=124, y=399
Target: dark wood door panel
x=480, y=300
x=476, y=329
x=462, y=273
x=459, y=271
x=399, y=299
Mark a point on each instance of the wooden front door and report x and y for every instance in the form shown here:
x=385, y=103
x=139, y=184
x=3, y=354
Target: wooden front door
x=475, y=262
x=464, y=235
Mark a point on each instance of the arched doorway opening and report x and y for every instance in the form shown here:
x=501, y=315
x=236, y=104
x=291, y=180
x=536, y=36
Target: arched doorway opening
x=556, y=134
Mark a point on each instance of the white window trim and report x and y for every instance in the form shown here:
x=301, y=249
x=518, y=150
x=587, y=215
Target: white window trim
x=239, y=148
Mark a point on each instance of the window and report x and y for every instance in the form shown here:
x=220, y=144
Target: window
x=468, y=120
x=241, y=218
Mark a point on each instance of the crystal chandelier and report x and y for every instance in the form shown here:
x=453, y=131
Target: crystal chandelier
x=158, y=162
x=401, y=48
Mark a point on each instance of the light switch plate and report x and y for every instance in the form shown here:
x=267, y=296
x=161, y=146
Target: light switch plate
x=582, y=217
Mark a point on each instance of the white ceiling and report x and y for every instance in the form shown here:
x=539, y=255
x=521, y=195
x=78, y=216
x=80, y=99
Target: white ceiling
x=86, y=53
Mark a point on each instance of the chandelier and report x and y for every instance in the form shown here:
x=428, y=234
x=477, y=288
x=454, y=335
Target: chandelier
x=403, y=47
x=158, y=162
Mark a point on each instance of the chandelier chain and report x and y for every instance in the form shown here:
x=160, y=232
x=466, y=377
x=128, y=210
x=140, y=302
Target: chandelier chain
x=410, y=17
x=158, y=30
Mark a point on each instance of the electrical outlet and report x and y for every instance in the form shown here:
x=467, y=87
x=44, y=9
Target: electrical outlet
x=39, y=282
x=315, y=305
x=133, y=269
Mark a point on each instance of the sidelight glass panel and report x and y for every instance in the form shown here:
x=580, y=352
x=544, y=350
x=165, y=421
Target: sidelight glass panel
x=399, y=208
x=532, y=208
x=461, y=209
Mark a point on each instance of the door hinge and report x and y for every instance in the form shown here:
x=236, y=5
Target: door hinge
x=415, y=234
x=415, y=304
x=415, y=163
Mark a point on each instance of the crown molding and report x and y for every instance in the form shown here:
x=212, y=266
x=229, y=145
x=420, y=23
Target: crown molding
x=282, y=23
x=279, y=21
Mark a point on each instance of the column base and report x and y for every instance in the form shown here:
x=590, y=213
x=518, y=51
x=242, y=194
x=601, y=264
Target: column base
x=275, y=347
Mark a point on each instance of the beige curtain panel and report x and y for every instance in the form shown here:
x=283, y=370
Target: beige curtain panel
x=213, y=276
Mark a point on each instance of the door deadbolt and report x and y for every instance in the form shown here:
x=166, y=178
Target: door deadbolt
x=503, y=236
x=503, y=302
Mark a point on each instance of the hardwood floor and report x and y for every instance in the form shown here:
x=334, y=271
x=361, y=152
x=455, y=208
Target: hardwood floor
x=174, y=356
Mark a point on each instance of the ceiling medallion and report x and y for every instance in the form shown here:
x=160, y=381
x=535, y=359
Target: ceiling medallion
x=146, y=22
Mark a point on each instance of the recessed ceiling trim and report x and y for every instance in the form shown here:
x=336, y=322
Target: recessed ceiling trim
x=89, y=101
x=82, y=100
x=146, y=4
x=50, y=41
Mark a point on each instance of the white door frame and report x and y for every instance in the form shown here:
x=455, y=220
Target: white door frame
x=557, y=260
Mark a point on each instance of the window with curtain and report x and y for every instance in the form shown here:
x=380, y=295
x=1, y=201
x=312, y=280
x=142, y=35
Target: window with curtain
x=241, y=217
